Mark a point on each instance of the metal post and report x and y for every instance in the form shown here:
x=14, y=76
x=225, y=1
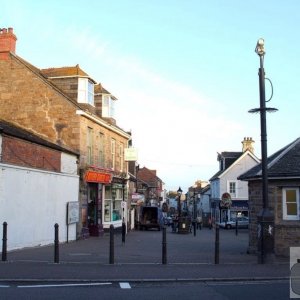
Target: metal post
x=111, y=245
x=265, y=218
x=236, y=224
x=56, y=244
x=217, y=244
x=4, y=242
x=123, y=231
x=164, y=246
x=194, y=213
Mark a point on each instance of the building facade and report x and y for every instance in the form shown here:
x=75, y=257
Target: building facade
x=67, y=107
x=283, y=198
x=231, y=165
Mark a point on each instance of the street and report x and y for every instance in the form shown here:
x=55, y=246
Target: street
x=193, y=290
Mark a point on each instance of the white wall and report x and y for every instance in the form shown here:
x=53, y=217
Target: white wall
x=32, y=201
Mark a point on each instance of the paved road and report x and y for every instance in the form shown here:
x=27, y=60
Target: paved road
x=189, y=257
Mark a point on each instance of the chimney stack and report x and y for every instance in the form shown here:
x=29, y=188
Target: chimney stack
x=7, y=42
x=248, y=144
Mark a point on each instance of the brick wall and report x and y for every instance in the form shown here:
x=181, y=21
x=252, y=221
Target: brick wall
x=26, y=154
x=287, y=233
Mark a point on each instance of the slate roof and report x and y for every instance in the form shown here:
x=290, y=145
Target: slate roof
x=230, y=158
x=285, y=163
x=12, y=130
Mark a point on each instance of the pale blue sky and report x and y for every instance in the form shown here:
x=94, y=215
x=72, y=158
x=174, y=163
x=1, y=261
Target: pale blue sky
x=185, y=72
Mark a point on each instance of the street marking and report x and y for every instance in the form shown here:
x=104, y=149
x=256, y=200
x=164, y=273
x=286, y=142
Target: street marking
x=125, y=285
x=63, y=285
x=4, y=286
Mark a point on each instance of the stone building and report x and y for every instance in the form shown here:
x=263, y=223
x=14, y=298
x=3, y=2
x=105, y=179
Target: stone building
x=67, y=107
x=283, y=198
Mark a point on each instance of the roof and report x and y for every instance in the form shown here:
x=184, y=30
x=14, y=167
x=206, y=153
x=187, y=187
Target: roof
x=64, y=71
x=233, y=157
x=99, y=89
x=285, y=163
x=43, y=76
x=12, y=130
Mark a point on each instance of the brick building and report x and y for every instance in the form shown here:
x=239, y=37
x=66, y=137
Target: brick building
x=150, y=185
x=67, y=107
x=283, y=195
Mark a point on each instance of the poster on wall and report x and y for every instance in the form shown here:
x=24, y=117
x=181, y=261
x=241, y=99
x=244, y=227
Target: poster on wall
x=72, y=212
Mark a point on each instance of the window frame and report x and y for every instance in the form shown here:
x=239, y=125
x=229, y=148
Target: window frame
x=285, y=215
x=90, y=142
x=113, y=153
x=232, y=194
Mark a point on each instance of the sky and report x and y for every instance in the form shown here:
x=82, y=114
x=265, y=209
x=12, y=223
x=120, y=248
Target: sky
x=184, y=71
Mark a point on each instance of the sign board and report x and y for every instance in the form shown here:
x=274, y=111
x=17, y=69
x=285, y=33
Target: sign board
x=72, y=212
x=225, y=201
x=93, y=176
x=130, y=154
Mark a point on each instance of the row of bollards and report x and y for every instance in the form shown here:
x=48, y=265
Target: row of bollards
x=56, y=243
x=111, y=244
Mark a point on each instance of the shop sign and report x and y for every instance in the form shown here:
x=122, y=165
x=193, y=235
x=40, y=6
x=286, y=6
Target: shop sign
x=72, y=212
x=93, y=176
x=225, y=201
x=130, y=154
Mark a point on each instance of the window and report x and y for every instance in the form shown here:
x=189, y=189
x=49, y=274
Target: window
x=108, y=107
x=113, y=153
x=85, y=91
x=89, y=145
x=121, y=157
x=290, y=203
x=112, y=204
x=101, y=149
x=232, y=188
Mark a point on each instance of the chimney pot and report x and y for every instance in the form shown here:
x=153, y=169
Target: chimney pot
x=7, y=42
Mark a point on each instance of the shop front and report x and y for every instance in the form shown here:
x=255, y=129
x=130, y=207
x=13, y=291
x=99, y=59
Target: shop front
x=92, y=212
x=105, y=202
x=115, y=203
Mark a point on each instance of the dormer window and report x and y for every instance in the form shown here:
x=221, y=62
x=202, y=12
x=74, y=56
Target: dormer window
x=108, y=106
x=85, y=91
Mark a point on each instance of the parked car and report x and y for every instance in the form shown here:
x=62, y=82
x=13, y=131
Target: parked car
x=243, y=222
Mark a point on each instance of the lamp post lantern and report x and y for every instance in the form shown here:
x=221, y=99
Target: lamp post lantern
x=265, y=218
x=179, y=193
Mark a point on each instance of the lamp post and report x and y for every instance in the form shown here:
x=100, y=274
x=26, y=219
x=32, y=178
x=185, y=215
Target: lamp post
x=194, y=210
x=265, y=217
x=179, y=193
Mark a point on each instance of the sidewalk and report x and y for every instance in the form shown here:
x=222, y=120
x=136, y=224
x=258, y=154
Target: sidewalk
x=189, y=257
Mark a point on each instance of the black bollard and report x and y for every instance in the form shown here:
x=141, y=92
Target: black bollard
x=236, y=226
x=123, y=231
x=164, y=246
x=56, y=244
x=217, y=244
x=111, y=245
x=194, y=225
x=4, y=242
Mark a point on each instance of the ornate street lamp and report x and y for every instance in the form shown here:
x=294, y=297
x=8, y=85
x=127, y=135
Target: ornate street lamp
x=265, y=218
x=179, y=193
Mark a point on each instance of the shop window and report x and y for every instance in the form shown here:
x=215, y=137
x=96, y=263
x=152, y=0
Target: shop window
x=112, y=204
